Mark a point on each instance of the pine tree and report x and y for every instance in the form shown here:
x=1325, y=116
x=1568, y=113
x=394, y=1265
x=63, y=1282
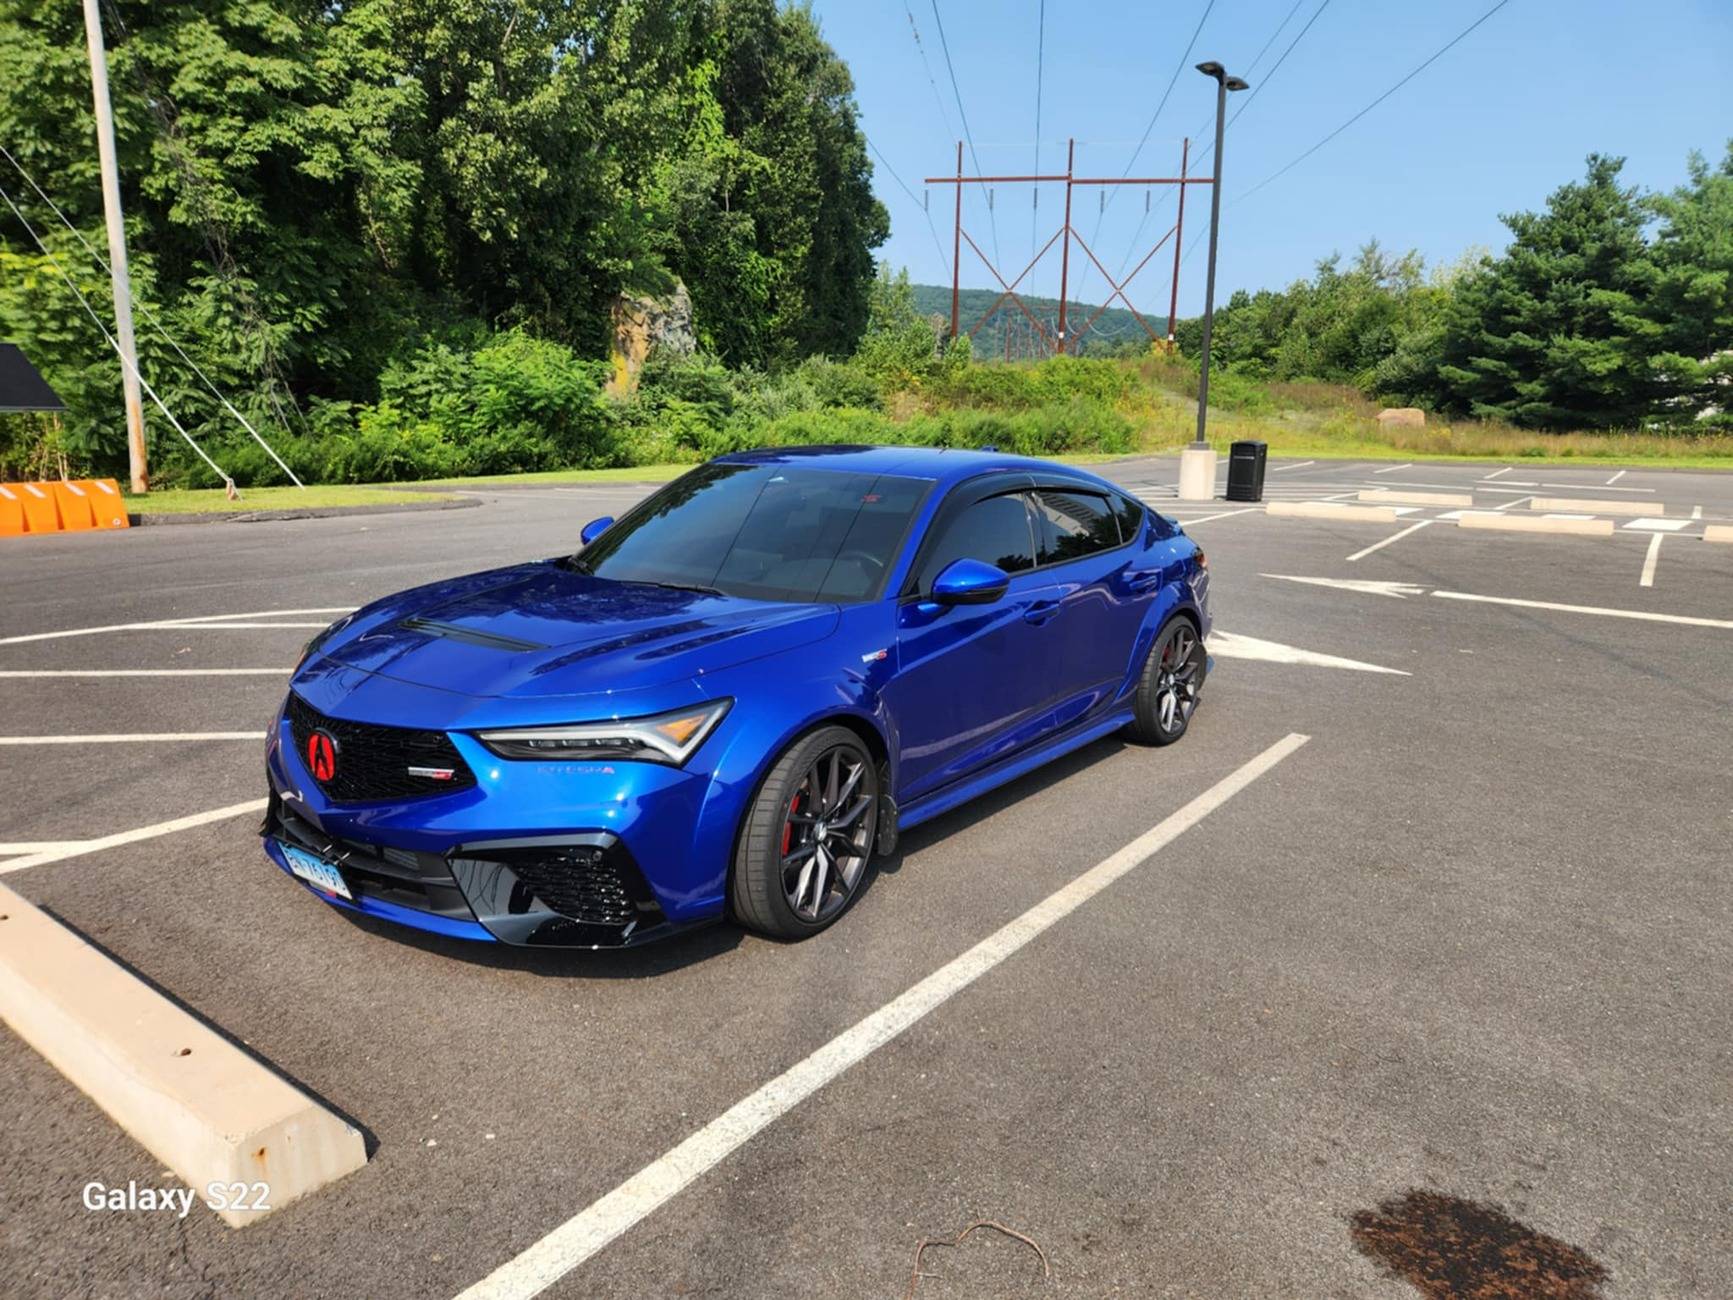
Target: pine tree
x=1554, y=333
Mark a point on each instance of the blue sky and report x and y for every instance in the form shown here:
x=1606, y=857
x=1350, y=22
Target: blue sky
x=1495, y=125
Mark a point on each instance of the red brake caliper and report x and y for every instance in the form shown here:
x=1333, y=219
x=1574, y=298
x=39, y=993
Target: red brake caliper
x=788, y=825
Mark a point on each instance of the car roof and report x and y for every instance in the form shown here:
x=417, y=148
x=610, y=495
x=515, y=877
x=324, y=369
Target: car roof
x=944, y=465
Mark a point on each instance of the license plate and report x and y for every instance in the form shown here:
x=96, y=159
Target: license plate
x=315, y=871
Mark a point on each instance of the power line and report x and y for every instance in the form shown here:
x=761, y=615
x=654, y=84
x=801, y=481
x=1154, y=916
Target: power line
x=937, y=97
x=932, y=229
x=1441, y=52
x=1444, y=49
x=945, y=48
x=151, y=319
x=112, y=341
x=1252, y=67
x=1173, y=81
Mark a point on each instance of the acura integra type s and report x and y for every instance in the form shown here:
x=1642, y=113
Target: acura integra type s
x=731, y=698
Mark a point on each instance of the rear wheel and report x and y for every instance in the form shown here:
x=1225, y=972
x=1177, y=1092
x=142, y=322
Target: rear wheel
x=808, y=835
x=1167, y=694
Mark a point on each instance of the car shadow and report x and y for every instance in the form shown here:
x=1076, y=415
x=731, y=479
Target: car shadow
x=702, y=943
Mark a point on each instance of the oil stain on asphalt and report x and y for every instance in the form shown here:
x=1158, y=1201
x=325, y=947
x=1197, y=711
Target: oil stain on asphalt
x=1452, y=1249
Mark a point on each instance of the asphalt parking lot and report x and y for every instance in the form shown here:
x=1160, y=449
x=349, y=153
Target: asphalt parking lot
x=1475, y=935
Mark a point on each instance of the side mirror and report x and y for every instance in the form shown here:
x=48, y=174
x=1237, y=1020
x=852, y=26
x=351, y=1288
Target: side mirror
x=970, y=582
x=595, y=528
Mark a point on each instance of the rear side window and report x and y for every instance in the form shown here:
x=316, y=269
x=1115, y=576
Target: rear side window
x=1071, y=525
x=995, y=530
x=1130, y=517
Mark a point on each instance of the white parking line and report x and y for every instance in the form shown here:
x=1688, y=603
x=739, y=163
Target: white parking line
x=1393, y=468
x=580, y=1237
x=25, y=847
x=1643, y=615
x=1648, y=578
x=134, y=738
x=208, y=620
x=146, y=672
x=1696, y=512
x=1615, y=478
x=1277, y=469
x=1496, y=474
x=1226, y=514
x=1394, y=537
x=77, y=848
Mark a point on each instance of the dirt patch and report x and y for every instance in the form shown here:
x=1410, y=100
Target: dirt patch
x=1451, y=1249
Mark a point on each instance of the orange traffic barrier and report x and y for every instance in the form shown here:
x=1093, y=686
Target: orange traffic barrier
x=106, y=506
x=74, y=503
x=41, y=515
x=69, y=505
x=11, y=512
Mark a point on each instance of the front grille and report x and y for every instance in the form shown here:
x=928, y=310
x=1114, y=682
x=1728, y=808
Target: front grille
x=581, y=883
x=373, y=762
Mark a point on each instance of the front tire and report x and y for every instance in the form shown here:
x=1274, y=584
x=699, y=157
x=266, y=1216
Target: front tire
x=1167, y=693
x=808, y=836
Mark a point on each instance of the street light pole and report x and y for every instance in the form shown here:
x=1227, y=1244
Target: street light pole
x=1197, y=464
x=135, y=448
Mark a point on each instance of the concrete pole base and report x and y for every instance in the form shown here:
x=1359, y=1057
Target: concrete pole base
x=1197, y=474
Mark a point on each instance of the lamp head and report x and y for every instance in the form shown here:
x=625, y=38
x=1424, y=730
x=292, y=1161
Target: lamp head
x=1212, y=69
x=1236, y=83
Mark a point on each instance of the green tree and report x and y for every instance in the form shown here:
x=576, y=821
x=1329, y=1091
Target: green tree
x=1691, y=292
x=1554, y=333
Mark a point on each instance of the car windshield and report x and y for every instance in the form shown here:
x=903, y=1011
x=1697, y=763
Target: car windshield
x=769, y=532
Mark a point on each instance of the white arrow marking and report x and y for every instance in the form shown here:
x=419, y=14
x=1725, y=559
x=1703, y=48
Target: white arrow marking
x=1231, y=646
x=1365, y=586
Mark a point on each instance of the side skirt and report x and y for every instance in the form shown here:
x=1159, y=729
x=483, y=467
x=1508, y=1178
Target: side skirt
x=942, y=801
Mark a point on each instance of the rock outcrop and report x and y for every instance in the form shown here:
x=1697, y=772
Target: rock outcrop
x=642, y=324
x=1406, y=417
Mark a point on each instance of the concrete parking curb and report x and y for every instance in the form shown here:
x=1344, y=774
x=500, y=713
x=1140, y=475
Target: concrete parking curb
x=1718, y=533
x=1418, y=498
x=208, y=1110
x=1331, y=510
x=1499, y=522
x=1587, y=505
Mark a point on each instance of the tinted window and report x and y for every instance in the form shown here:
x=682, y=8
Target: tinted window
x=995, y=530
x=1130, y=517
x=1072, y=525
x=769, y=532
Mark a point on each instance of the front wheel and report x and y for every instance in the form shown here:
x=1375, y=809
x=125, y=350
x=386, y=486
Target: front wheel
x=803, y=851
x=1167, y=692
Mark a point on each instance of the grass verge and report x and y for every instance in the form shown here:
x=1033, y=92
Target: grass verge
x=200, y=501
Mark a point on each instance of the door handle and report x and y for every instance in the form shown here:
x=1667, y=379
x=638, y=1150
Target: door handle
x=1144, y=580
x=1039, y=611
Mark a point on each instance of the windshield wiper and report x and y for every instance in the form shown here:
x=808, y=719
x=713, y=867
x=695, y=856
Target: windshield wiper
x=679, y=586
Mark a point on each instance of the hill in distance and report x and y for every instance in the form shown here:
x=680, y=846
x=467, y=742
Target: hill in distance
x=1116, y=327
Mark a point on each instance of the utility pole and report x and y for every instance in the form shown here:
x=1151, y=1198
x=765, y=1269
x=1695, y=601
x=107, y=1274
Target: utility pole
x=1197, y=463
x=136, y=456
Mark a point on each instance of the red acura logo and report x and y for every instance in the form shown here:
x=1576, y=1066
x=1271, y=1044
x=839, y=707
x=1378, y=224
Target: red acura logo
x=322, y=755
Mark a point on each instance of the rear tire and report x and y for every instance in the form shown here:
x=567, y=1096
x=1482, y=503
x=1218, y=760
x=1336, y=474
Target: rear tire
x=808, y=836
x=1167, y=693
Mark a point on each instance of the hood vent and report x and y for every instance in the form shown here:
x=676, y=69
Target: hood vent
x=470, y=635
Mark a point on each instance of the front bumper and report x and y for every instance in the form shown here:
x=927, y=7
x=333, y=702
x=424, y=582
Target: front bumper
x=537, y=854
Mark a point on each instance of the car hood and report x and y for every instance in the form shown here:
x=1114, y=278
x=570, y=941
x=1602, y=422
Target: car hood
x=543, y=630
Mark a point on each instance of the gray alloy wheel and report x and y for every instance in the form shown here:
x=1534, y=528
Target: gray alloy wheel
x=808, y=836
x=1167, y=694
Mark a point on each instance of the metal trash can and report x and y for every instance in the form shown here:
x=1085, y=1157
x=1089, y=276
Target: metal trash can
x=1246, y=471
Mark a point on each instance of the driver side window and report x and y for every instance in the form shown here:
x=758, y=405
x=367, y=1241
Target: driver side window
x=996, y=531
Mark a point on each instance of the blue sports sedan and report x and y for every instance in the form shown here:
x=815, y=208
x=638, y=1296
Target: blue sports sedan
x=732, y=698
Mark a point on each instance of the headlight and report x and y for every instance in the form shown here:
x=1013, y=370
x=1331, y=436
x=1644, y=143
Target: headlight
x=662, y=738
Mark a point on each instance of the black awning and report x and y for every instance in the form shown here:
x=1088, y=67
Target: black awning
x=21, y=388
